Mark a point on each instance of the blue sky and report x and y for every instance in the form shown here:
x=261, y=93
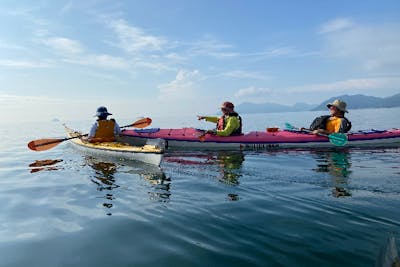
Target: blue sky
x=141, y=58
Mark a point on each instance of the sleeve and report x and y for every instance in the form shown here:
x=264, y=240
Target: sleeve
x=117, y=129
x=345, y=126
x=93, y=129
x=231, y=125
x=211, y=119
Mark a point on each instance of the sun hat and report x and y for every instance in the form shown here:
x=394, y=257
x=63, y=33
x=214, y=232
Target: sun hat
x=339, y=104
x=102, y=112
x=228, y=105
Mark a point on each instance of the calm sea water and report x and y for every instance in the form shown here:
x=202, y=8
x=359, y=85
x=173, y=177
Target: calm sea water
x=332, y=207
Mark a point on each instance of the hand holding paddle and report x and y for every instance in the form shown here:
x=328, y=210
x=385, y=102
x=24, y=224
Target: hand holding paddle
x=45, y=144
x=338, y=139
x=202, y=136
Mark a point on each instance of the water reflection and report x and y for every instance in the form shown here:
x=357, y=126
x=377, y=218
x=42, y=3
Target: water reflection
x=337, y=163
x=227, y=165
x=105, y=179
x=44, y=165
x=230, y=164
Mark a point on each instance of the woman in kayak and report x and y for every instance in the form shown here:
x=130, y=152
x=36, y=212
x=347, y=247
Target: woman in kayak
x=230, y=123
x=334, y=123
x=103, y=130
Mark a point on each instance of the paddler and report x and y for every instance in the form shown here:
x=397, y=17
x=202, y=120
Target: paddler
x=230, y=123
x=336, y=122
x=103, y=130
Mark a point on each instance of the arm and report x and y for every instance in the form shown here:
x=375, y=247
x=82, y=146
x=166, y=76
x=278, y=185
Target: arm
x=321, y=131
x=210, y=119
x=93, y=129
x=117, y=129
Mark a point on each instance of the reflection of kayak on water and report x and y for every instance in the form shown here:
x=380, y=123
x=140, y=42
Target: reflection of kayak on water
x=190, y=138
x=151, y=154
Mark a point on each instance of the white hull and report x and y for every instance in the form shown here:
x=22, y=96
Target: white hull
x=147, y=153
x=150, y=158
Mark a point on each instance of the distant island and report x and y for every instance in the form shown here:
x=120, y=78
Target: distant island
x=353, y=102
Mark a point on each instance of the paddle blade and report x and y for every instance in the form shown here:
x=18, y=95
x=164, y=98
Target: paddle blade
x=288, y=126
x=338, y=139
x=142, y=123
x=44, y=144
x=202, y=137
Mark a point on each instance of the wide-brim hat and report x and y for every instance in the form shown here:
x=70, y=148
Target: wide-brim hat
x=339, y=104
x=102, y=111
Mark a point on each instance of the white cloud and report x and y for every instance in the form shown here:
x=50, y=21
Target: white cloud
x=102, y=61
x=278, y=52
x=213, y=48
x=348, y=85
x=23, y=64
x=245, y=75
x=335, y=25
x=9, y=46
x=371, y=48
x=64, y=45
x=252, y=92
x=182, y=86
x=133, y=39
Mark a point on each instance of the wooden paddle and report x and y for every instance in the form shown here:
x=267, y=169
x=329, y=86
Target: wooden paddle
x=338, y=139
x=48, y=143
x=202, y=136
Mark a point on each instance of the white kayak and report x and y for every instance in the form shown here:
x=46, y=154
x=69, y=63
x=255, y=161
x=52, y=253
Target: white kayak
x=148, y=153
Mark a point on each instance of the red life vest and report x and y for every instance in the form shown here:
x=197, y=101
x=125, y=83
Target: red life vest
x=221, y=123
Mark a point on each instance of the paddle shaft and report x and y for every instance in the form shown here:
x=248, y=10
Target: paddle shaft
x=62, y=140
x=336, y=140
x=321, y=134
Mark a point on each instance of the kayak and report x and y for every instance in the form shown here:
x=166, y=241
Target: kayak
x=146, y=153
x=195, y=138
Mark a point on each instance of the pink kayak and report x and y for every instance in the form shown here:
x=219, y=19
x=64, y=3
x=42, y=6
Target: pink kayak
x=194, y=138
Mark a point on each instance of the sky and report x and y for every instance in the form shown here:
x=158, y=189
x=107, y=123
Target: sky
x=63, y=59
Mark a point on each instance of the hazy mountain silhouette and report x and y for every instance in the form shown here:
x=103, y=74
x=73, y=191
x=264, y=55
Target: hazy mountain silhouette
x=362, y=101
x=353, y=102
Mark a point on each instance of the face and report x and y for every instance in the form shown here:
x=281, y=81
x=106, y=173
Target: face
x=225, y=110
x=335, y=111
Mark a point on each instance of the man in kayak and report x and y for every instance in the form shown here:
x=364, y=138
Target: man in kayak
x=230, y=123
x=103, y=130
x=334, y=123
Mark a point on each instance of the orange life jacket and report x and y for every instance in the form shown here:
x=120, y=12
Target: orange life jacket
x=104, y=132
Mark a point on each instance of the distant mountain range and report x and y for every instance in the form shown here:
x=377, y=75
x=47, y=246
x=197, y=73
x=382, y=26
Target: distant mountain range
x=353, y=102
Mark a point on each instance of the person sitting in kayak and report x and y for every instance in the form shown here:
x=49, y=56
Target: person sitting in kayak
x=103, y=130
x=230, y=123
x=334, y=123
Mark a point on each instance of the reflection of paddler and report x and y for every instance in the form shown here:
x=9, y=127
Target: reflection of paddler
x=104, y=179
x=337, y=164
x=230, y=163
x=161, y=185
